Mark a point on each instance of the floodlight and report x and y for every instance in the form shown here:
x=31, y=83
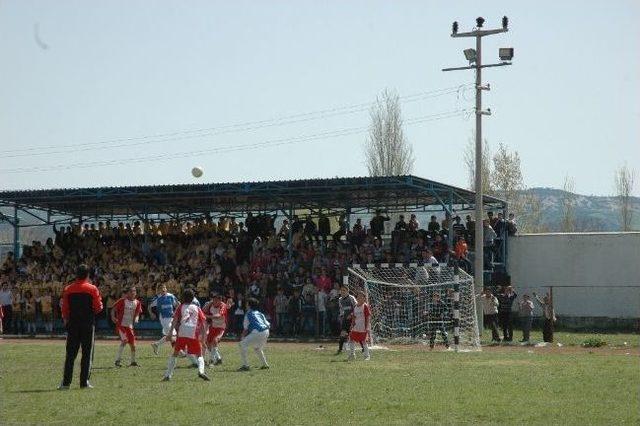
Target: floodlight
x=470, y=54
x=505, y=22
x=479, y=21
x=505, y=53
x=454, y=27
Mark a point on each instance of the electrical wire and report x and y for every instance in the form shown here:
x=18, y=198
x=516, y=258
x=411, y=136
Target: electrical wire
x=232, y=148
x=226, y=129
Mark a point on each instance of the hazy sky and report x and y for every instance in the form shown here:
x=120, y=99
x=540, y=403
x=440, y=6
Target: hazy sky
x=119, y=92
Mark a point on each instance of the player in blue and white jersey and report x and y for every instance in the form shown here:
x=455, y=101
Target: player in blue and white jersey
x=165, y=304
x=255, y=334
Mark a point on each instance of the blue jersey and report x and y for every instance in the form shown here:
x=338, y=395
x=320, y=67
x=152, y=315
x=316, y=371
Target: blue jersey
x=255, y=320
x=165, y=304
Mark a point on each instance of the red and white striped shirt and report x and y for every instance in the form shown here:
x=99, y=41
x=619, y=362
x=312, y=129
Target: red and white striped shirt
x=360, y=318
x=190, y=320
x=127, y=311
x=219, y=314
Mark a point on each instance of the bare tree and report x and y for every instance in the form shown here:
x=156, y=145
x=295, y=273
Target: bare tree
x=506, y=176
x=387, y=151
x=568, y=223
x=530, y=215
x=624, y=181
x=470, y=164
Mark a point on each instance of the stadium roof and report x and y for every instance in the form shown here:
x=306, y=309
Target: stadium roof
x=360, y=194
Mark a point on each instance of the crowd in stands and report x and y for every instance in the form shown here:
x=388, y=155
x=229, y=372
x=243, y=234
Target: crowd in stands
x=294, y=269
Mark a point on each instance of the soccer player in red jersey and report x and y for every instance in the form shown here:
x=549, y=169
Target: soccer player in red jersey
x=125, y=313
x=360, y=327
x=216, y=313
x=189, y=321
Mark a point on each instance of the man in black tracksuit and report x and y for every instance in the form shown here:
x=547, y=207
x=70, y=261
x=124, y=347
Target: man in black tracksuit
x=505, y=319
x=81, y=302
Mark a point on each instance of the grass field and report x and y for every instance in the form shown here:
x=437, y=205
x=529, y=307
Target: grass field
x=308, y=385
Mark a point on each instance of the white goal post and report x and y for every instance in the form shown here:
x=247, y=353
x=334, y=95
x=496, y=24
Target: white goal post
x=413, y=303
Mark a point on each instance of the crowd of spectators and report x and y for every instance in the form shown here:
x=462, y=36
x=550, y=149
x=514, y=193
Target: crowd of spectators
x=294, y=269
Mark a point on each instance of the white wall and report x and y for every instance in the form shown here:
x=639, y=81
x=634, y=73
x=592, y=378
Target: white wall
x=601, y=260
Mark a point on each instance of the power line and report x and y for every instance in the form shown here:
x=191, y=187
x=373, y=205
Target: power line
x=233, y=148
x=232, y=128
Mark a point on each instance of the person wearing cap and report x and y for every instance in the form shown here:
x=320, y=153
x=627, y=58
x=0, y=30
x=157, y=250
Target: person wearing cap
x=81, y=301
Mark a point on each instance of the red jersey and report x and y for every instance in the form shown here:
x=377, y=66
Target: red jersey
x=127, y=311
x=190, y=320
x=219, y=314
x=360, y=318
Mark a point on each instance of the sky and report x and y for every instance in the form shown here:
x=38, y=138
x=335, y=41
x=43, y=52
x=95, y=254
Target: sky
x=138, y=92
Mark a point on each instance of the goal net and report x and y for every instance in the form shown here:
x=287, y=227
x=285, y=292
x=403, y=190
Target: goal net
x=418, y=304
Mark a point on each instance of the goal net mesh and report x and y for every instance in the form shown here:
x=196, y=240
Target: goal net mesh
x=419, y=304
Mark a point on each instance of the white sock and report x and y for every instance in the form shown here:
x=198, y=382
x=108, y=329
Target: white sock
x=217, y=353
x=200, y=362
x=171, y=365
x=352, y=348
x=119, y=354
x=260, y=354
x=366, y=350
x=133, y=356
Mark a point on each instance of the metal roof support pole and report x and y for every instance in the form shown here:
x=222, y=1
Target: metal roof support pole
x=290, y=242
x=16, y=233
x=450, y=230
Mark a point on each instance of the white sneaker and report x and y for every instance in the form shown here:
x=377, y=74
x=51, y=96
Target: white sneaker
x=367, y=358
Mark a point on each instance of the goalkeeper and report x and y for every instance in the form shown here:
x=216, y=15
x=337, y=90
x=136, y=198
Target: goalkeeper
x=346, y=303
x=436, y=314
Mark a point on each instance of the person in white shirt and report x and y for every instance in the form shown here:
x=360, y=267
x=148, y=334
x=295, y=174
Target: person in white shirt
x=526, y=314
x=321, y=307
x=490, y=312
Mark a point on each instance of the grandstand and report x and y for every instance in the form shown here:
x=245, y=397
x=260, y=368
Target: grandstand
x=231, y=237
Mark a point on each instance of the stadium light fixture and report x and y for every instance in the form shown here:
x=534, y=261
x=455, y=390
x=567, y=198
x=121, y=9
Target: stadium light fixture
x=505, y=53
x=479, y=21
x=470, y=54
x=505, y=22
x=454, y=27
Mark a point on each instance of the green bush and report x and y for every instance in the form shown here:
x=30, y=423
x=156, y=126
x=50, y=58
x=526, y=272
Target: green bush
x=594, y=342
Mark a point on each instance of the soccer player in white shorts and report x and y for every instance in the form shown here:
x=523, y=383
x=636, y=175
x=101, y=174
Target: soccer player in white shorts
x=255, y=334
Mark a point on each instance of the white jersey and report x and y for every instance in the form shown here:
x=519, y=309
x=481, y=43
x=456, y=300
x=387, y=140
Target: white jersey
x=360, y=320
x=190, y=320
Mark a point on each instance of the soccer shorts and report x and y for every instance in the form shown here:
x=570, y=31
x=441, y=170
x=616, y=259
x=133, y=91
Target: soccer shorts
x=214, y=335
x=126, y=335
x=191, y=346
x=166, y=326
x=358, y=336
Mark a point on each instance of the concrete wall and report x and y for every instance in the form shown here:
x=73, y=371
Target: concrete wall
x=601, y=261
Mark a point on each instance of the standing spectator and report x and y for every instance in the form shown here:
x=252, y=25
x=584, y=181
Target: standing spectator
x=46, y=310
x=433, y=227
x=401, y=225
x=413, y=225
x=310, y=229
x=526, y=315
x=458, y=227
x=489, y=236
x=446, y=222
x=81, y=302
x=238, y=313
x=16, y=316
x=321, y=307
x=471, y=230
x=490, y=306
x=377, y=224
x=506, y=299
x=295, y=312
x=512, y=228
x=333, y=309
x=324, y=227
x=281, y=303
x=6, y=301
x=29, y=312
x=461, y=252
x=549, y=317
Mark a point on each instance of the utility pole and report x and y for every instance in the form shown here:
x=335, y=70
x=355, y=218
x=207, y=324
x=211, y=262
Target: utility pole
x=475, y=62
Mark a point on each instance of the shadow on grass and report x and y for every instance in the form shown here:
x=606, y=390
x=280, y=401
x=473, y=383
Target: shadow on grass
x=34, y=391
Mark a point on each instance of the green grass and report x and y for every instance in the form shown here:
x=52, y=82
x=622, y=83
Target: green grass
x=310, y=386
x=576, y=338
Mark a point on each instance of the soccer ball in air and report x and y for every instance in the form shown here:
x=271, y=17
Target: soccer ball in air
x=197, y=171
